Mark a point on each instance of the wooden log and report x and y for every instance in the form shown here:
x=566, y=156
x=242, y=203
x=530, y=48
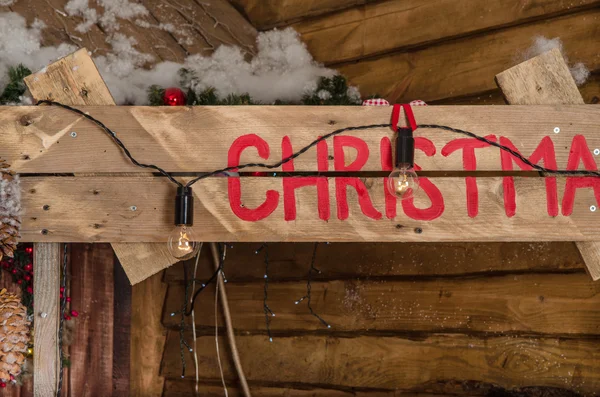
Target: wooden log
x=91, y=351
x=290, y=261
x=360, y=32
x=546, y=80
x=401, y=363
x=76, y=213
x=439, y=71
x=46, y=361
x=514, y=304
x=266, y=15
x=38, y=139
x=147, y=337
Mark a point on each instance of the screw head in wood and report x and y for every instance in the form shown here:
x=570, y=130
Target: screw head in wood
x=596, y=152
x=43, y=315
x=73, y=134
x=133, y=208
x=556, y=130
x=593, y=208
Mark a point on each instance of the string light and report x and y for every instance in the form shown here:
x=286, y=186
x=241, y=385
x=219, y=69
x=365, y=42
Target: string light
x=62, y=318
x=268, y=312
x=309, y=287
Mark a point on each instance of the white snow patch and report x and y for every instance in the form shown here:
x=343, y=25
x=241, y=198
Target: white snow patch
x=113, y=9
x=7, y=3
x=542, y=44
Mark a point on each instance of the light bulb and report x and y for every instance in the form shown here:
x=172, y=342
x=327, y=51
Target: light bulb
x=403, y=183
x=182, y=243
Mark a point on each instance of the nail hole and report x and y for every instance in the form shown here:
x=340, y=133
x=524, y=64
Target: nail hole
x=46, y=207
x=418, y=230
x=44, y=231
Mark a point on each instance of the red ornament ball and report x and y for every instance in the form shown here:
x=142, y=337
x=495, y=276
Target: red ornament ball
x=30, y=290
x=174, y=97
x=74, y=313
x=27, y=278
x=19, y=282
x=68, y=299
x=28, y=267
x=14, y=271
x=67, y=317
x=2, y=384
x=29, y=250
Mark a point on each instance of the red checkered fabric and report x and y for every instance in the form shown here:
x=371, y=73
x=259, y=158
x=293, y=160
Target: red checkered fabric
x=375, y=102
x=383, y=102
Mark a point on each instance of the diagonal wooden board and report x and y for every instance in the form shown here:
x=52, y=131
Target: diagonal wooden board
x=546, y=80
x=75, y=80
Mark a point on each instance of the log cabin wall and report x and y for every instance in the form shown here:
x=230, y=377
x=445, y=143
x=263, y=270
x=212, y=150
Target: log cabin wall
x=433, y=319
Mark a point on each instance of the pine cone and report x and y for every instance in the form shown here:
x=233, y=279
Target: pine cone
x=14, y=335
x=10, y=210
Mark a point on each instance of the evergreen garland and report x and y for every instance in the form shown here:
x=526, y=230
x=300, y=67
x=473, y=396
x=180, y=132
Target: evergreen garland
x=329, y=91
x=15, y=87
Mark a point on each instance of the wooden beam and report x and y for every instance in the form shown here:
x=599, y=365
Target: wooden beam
x=75, y=213
x=46, y=360
x=438, y=72
x=424, y=359
x=531, y=303
x=546, y=80
x=38, y=139
x=147, y=337
x=356, y=32
x=75, y=80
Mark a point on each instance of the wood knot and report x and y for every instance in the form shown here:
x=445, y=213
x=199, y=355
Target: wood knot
x=84, y=92
x=25, y=120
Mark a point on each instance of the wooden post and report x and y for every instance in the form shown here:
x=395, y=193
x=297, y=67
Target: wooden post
x=546, y=80
x=46, y=278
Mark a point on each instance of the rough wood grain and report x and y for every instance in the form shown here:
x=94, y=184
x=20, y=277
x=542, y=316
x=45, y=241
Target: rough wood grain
x=515, y=304
x=77, y=214
x=441, y=71
x=46, y=360
x=148, y=339
x=121, y=356
x=543, y=80
x=266, y=15
x=382, y=27
x=546, y=80
x=75, y=80
x=402, y=363
x=91, y=351
x=201, y=27
x=37, y=140
x=344, y=261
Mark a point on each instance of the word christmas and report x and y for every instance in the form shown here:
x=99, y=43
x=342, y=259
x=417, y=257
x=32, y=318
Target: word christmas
x=544, y=152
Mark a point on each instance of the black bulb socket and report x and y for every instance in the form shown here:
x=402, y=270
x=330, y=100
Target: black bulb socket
x=184, y=206
x=405, y=149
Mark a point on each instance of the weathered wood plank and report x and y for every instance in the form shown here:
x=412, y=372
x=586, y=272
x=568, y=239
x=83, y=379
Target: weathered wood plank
x=363, y=361
x=148, y=339
x=265, y=15
x=121, y=356
x=92, y=294
x=99, y=210
x=546, y=80
x=357, y=32
x=440, y=71
x=38, y=139
x=46, y=360
x=290, y=261
x=530, y=303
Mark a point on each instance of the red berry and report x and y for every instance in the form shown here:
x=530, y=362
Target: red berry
x=74, y=313
x=29, y=250
x=28, y=267
x=68, y=299
x=14, y=271
x=27, y=278
x=2, y=384
x=62, y=289
x=12, y=377
x=30, y=290
x=19, y=282
x=67, y=317
x=61, y=295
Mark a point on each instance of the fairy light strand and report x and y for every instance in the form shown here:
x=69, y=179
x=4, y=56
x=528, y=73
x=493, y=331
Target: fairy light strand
x=269, y=314
x=308, y=295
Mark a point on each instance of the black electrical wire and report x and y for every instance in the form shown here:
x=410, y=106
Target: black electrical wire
x=303, y=150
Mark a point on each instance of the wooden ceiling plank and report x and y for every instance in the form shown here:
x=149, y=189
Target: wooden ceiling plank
x=463, y=67
x=383, y=27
